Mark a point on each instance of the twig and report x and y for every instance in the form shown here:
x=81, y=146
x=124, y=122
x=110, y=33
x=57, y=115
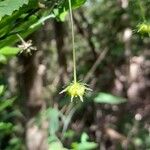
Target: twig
x=95, y=65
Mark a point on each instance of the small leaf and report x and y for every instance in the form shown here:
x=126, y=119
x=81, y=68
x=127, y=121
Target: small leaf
x=69, y=134
x=5, y=103
x=84, y=146
x=5, y=127
x=3, y=59
x=109, y=99
x=53, y=116
x=75, y=3
x=63, y=15
x=55, y=144
x=60, y=13
x=9, y=51
x=1, y=89
x=84, y=137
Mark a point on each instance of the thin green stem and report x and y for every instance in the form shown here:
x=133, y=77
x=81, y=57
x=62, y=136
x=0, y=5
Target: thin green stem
x=73, y=43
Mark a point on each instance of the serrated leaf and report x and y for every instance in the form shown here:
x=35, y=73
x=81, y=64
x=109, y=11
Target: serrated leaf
x=108, y=99
x=9, y=51
x=7, y=7
x=24, y=28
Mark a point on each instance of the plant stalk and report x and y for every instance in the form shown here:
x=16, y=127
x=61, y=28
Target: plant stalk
x=73, y=43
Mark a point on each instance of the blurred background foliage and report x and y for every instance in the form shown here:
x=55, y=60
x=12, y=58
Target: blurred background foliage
x=36, y=62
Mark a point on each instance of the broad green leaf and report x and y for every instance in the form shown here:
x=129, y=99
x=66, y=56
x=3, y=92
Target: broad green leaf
x=108, y=99
x=24, y=27
x=7, y=7
x=33, y=4
x=9, y=51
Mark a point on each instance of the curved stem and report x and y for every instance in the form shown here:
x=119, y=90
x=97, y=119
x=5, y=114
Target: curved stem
x=73, y=43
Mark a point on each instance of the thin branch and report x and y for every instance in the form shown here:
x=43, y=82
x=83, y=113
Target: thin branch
x=95, y=65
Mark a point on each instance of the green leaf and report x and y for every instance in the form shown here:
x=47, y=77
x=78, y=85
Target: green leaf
x=108, y=99
x=53, y=116
x=24, y=27
x=75, y=3
x=5, y=127
x=69, y=134
x=7, y=7
x=3, y=59
x=84, y=137
x=84, y=146
x=9, y=51
x=1, y=89
x=5, y=103
x=137, y=141
x=55, y=144
x=60, y=13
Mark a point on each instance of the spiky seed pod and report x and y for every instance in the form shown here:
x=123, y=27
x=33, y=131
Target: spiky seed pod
x=144, y=28
x=76, y=89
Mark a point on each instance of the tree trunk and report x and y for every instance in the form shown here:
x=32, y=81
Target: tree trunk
x=32, y=86
x=60, y=36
